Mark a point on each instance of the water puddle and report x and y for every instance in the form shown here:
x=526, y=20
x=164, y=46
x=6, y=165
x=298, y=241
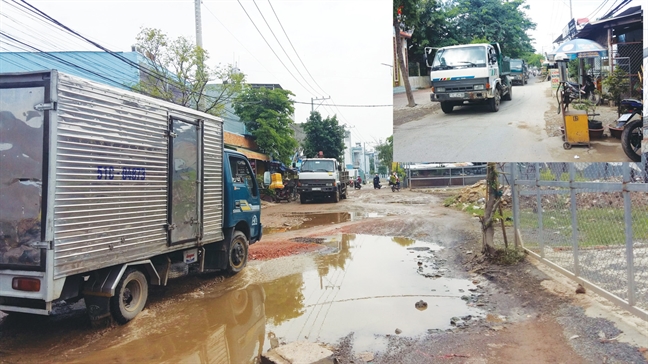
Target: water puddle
x=372, y=286
x=320, y=219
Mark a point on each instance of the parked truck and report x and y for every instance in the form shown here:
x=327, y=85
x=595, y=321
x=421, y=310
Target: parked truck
x=322, y=178
x=519, y=71
x=468, y=74
x=105, y=192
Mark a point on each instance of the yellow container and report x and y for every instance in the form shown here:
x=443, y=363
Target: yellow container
x=576, y=128
x=277, y=181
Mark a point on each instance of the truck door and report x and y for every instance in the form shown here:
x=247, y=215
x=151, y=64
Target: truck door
x=245, y=196
x=24, y=122
x=184, y=203
x=493, y=67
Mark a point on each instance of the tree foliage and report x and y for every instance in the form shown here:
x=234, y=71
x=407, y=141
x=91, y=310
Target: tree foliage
x=178, y=71
x=533, y=59
x=323, y=135
x=267, y=115
x=453, y=22
x=386, y=152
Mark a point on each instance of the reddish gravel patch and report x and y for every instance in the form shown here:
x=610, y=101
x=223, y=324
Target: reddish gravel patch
x=274, y=249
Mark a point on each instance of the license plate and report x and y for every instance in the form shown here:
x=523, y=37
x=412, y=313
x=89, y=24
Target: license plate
x=458, y=95
x=316, y=189
x=624, y=117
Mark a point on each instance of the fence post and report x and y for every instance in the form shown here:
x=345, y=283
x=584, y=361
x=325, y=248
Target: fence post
x=516, y=206
x=627, y=217
x=574, y=219
x=539, y=205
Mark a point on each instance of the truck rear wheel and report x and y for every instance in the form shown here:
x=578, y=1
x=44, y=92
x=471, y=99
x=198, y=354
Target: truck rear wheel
x=238, y=252
x=447, y=107
x=130, y=296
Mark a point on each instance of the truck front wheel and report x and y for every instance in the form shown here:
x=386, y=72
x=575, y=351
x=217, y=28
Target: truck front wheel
x=336, y=196
x=130, y=296
x=238, y=252
x=447, y=107
x=494, y=103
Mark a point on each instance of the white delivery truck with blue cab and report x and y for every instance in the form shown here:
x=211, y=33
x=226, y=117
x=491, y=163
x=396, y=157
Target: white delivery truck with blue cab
x=105, y=192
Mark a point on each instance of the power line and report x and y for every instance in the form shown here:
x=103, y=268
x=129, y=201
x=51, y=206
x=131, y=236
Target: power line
x=293, y=48
x=282, y=48
x=338, y=105
x=269, y=46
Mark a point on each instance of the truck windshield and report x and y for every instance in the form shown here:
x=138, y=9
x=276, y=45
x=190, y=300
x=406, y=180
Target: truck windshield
x=318, y=166
x=516, y=65
x=448, y=58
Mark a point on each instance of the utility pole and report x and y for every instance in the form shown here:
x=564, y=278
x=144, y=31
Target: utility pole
x=571, y=15
x=199, y=42
x=317, y=99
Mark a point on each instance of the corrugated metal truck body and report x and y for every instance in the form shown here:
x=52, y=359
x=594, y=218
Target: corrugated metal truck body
x=95, y=177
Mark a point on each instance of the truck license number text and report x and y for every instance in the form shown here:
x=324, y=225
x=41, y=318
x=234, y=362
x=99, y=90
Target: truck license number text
x=127, y=173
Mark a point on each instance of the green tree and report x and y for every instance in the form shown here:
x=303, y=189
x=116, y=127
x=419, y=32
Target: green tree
x=323, y=135
x=178, y=71
x=386, y=152
x=267, y=115
x=533, y=59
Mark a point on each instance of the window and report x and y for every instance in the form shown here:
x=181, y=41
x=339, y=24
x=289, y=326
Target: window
x=241, y=173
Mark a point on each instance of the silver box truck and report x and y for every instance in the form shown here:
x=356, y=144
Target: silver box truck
x=104, y=192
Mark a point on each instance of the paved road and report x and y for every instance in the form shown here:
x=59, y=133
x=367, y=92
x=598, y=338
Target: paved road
x=472, y=133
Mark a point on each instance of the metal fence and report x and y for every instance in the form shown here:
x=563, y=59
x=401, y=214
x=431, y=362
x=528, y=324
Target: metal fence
x=590, y=222
x=434, y=175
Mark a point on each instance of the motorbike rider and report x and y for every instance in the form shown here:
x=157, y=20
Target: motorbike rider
x=376, y=181
x=394, y=180
x=358, y=182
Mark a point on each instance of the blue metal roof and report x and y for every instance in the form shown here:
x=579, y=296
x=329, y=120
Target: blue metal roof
x=97, y=66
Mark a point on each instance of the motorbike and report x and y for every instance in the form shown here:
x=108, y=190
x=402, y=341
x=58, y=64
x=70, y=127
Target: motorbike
x=632, y=129
x=357, y=185
x=377, y=185
x=288, y=193
x=574, y=91
x=395, y=186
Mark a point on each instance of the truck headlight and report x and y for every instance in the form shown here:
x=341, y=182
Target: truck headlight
x=439, y=89
x=478, y=87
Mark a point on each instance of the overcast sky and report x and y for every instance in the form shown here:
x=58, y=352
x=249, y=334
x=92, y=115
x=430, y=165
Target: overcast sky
x=342, y=43
x=551, y=16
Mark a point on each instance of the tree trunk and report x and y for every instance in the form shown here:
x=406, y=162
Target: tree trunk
x=401, y=65
x=489, y=210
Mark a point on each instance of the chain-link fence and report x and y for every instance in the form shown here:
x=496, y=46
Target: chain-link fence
x=629, y=57
x=588, y=220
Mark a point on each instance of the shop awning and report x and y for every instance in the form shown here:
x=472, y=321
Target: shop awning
x=252, y=154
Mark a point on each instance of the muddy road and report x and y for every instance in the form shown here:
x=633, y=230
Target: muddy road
x=382, y=277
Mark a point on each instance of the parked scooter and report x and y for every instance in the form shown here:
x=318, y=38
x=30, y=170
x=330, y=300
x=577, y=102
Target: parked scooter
x=632, y=129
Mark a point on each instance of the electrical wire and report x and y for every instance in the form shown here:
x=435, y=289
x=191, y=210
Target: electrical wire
x=269, y=46
x=282, y=48
x=293, y=48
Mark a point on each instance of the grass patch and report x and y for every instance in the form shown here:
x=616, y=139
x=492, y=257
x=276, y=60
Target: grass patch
x=508, y=256
x=596, y=226
x=449, y=201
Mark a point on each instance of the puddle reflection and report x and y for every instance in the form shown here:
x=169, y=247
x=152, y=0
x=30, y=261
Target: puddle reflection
x=371, y=286
x=226, y=329
x=320, y=219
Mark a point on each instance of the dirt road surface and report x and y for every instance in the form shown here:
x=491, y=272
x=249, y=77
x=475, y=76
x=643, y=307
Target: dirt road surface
x=385, y=277
x=525, y=129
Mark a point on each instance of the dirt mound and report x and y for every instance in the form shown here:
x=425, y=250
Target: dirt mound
x=477, y=194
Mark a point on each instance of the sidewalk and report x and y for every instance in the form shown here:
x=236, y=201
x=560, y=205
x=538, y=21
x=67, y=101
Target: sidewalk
x=421, y=96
